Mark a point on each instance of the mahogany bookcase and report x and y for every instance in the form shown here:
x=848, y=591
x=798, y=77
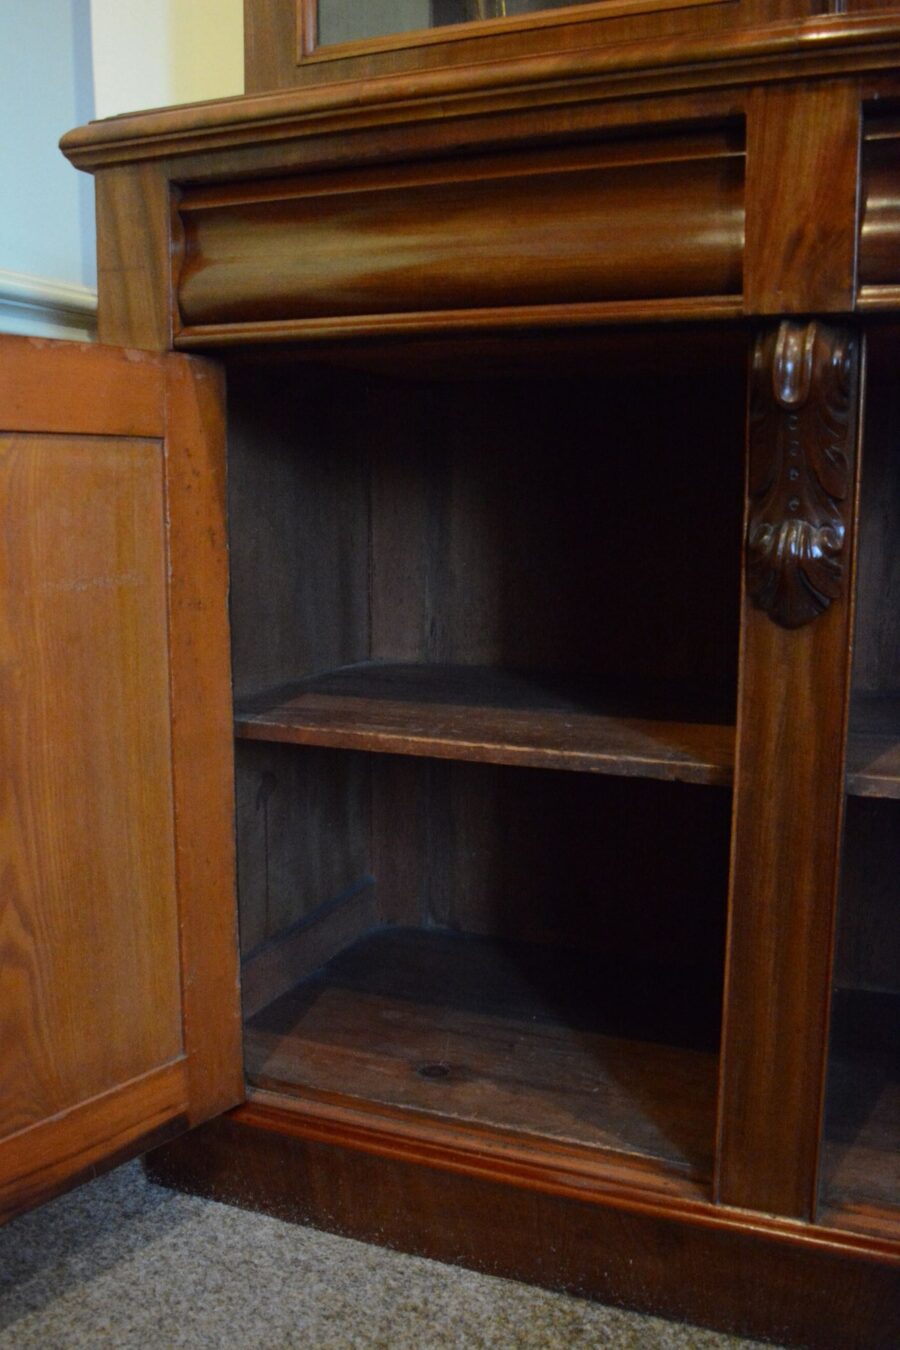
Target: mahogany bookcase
x=562, y=424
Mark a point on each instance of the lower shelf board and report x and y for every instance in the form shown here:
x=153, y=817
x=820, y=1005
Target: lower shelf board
x=500, y=717
x=873, y=748
x=501, y=1035
x=504, y=717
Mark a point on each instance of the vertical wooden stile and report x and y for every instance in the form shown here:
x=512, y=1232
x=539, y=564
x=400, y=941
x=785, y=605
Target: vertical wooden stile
x=135, y=284
x=793, y=694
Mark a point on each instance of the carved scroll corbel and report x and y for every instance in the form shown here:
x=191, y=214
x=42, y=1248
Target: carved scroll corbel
x=802, y=433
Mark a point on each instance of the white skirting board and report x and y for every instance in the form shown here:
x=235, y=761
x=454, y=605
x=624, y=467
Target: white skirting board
x=39, y=307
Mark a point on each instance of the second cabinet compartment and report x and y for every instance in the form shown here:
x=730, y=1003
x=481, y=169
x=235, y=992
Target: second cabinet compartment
x=484, y=607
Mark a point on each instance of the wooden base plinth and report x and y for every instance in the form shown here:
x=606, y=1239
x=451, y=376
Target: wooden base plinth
x=661, y=1254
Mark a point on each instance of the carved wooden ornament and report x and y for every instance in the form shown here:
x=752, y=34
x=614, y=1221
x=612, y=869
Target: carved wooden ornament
x=802, y=433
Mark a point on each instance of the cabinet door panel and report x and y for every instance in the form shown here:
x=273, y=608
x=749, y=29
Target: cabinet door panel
x=101, y=900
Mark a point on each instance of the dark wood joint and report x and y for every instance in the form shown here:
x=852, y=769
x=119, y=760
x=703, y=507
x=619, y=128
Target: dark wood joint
x=803, y=397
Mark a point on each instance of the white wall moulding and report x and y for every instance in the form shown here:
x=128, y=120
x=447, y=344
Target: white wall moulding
x=46, y=308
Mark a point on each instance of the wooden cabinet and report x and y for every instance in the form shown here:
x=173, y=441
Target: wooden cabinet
x=562, y=498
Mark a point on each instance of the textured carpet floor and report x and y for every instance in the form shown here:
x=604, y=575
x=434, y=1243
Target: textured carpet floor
x=122, y=1263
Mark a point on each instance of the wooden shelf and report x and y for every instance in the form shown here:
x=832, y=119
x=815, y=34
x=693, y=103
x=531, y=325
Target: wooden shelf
x=873, y=753
x=511, y=1036
x=497, y=717
x=473, y=713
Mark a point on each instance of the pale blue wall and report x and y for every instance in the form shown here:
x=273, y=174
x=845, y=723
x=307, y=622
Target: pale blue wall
x=62, y=60
x=47, y=220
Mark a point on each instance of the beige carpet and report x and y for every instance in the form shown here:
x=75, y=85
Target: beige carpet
x=122, y=1263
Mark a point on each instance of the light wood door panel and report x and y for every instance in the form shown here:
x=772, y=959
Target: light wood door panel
x=118, y=985
x=89, y=986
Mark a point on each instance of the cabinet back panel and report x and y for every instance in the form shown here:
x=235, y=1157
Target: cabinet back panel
x=633, y=871
x=860, y=1160
x=617, y=867
x=571, y=526
x=556, y=528
x=876, y=661
x=868, y=936
x=859, y=1174
x=302, y=833
x=299, y=524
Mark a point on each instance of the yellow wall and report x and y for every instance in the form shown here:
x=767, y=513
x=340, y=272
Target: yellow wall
x=152, y=53
x=206, y=48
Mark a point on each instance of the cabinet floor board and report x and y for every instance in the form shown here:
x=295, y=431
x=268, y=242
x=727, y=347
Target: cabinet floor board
x=501, y=1034
x=474, y=713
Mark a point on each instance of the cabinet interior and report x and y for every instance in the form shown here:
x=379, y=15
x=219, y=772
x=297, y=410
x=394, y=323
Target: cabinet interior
x=860, y=1173
x=484, y=611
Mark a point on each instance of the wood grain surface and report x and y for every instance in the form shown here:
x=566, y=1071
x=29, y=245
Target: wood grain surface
x=803, y=148
x=202, y=754
x=521, y=1039
x=119, y=967
x=444, y=98
x=442, y=41
x=91, y=966
x=468, y=712
x=793, y=693
x=619, y=223
x=135, y=284
x=880, y=200
x=304, y=836
x=78, y=1143
x=454, y=323
x=638, y=171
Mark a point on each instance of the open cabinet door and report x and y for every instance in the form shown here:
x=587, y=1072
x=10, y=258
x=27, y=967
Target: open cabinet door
x=119, y=1006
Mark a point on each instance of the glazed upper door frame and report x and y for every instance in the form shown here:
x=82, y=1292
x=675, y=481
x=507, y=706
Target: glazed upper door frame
x=119, y=1008
x=281, y=47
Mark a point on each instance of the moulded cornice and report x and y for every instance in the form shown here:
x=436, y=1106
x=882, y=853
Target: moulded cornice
x=811, y=48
